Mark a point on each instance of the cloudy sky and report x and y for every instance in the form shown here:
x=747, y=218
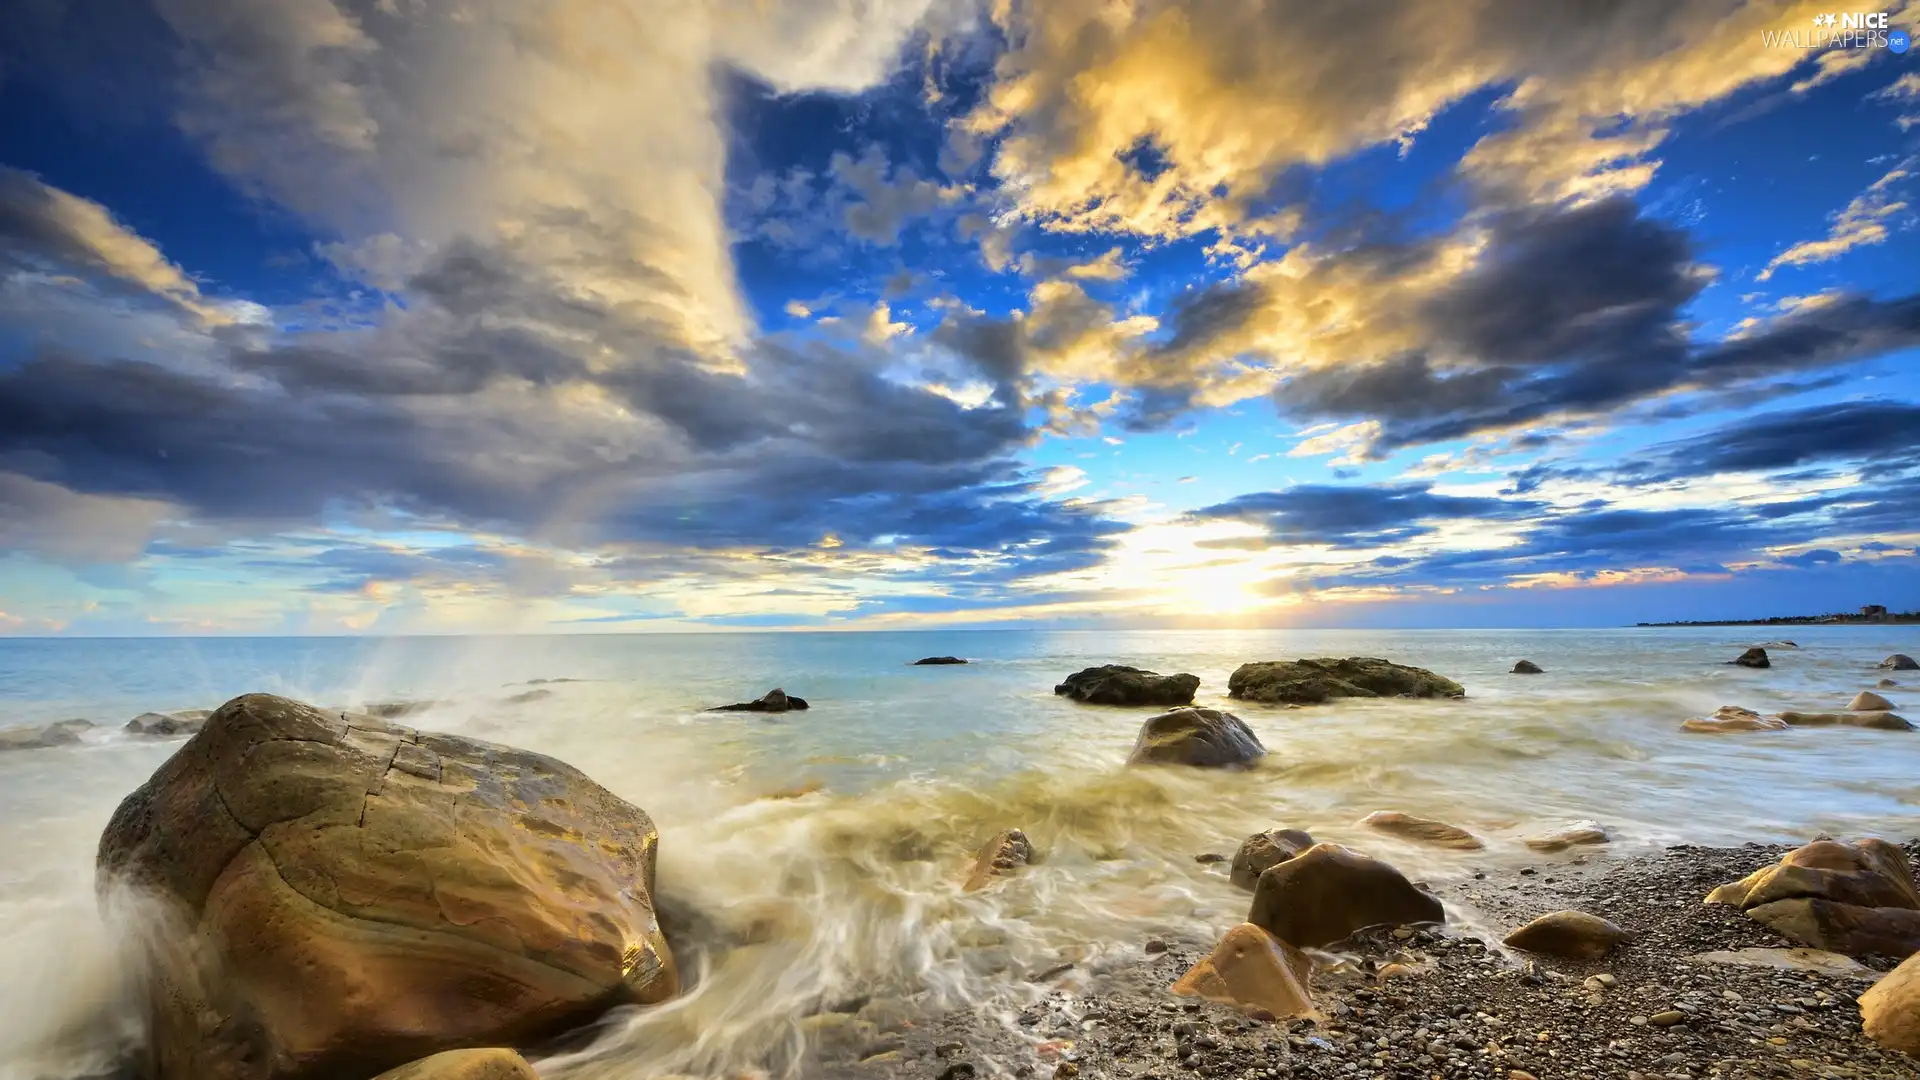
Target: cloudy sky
x=323, y=316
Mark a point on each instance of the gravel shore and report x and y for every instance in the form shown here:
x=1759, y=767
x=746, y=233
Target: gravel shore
x=1421, y=1003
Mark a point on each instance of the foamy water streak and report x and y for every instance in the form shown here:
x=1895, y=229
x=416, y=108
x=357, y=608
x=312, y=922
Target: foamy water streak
x=787, y=908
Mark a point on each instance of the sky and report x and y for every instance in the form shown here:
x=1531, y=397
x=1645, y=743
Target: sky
x=450, y=316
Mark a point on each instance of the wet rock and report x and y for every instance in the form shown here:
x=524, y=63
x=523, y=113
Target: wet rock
x=1886, y=684
x=1263, y=850
x=1571, y=935
x=936, y=661
x=1732, y=718
x=1578, y=833
x=1207, y=738
x=495, y=1064
x=1207, y=858
x=1254, y=970
x=393, y=710
x=1810, y=960
x=1900, y=662
x=1117, y=684
x=1778, y=645
x=64, y=733
x=1313, y=682
x=352, y=895
x=165, y=724
x=1424, y=830
x=1527, y=667
x=1855, y=899
x=1890, y=1010
x=1868, y=701
x=1755, y=657
x=1327, y=892
x=1006, y=852
x=773, y=701
x=1879, y=721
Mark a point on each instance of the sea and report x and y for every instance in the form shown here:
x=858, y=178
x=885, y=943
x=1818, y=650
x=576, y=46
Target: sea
x=816, y=857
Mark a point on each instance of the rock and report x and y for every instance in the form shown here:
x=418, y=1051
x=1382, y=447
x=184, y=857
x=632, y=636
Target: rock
x=1900, y=662
x=1733, y=718
x=1263, y=850
x=1424, y=830
x=936, y=661
x=528, y=697
x=1812, y=960
x=775, y=701
x=1755, y=657
x=1868, y=701
x=1207, y=858
x=1778, y=645
x=64, y=733
x=1885, y=684
x=1527, y=667
x=1882, y=721
x=1313, y=682
x=1580, y=832
x=1327, y=892
x=1006, y=852
x=164, y=724
x=1207, y=738
x=1856, y=899
x=1254, y=970
x=353, y=895
x=1571, y=935
x=1668, y=1018
x=394, y=710
x=1890, y=1010
x=465, y=1065
x=1117, y=684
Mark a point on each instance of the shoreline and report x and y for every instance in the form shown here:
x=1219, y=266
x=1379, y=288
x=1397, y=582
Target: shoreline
x=1453, y=1003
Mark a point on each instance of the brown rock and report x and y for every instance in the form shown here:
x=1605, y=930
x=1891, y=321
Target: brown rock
x=1314, y=682
x=1571, y=935
x=773, y=701
x=1885, y=684
x=1755, y=657
x=1811, y=960
x=1265, y=849
x=1527, y=667
x=1733, y=718
x=465, y=1065
x=1425, y=830
x=1868, y=701
x=64, y=733
x=1118, y=684
x=1890, y=1010
x=1006, y=852
x=1842, y=928
x=1578, y=833
x=1254, y=970
x=1848, y=898
x=1327, y=892
x=1207, y=738
x=354, y=895
x=1881, y=721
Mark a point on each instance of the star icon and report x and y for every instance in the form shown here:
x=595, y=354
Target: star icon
x=1829, y=19
x=1819, y=20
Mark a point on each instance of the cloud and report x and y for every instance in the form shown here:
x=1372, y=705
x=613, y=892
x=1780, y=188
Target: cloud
x=1862, y=223
x=1357, y=516
x=70, y=529
x=1876, y=432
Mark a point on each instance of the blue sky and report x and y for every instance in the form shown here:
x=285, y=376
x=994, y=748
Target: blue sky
x=347, y=316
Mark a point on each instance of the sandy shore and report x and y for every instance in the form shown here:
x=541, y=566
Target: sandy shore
x=1465, y=1006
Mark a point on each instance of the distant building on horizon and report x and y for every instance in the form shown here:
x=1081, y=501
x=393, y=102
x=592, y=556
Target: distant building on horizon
x=1874, y=611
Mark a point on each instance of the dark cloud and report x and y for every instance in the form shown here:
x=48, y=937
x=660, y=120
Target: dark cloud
x=1884, y=435
x=1356, y=516
x=1816, y=557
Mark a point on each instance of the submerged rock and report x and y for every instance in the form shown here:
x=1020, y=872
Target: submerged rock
x=1733, y=718
x=1890, y=1009
x=1527, y=667
x=1578, y=833
x=1755, y=657
x=354, y=895
x=1327, y=892
x=493, y=1064
x=1263, y=850
x=64, y=733
x=164, y=724
x=1117, y=684
x=1207, y=738
x=1900, y=662
x=1312, y=682
x=936, y=661
x=1424, y=830
x=1868, y=701
x=1882, y=721
x=1006, y=852
x=1855, y=899
x=1571, y=935
x=775, y=700
x=1254, y=970
x=1885, y=684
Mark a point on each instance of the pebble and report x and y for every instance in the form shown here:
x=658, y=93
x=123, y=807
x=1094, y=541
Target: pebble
x=1667, y=1019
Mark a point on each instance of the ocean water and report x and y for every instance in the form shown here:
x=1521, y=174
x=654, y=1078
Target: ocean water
x=791, y=904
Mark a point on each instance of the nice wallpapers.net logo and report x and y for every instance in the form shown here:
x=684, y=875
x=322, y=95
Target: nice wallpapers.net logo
x=1842, y=30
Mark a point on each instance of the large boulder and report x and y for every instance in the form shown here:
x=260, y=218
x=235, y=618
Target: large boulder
x=1263, y=850
x=1327, y=892
x=1857, y=899
x=64, y=733
x=1732, y=718
x=1312, y=682
x=1571, y=935
x=1890, y=1010
x=775, y=701
x=1255, y=971
x=1881, y=721
x=1207, y=738
x=490, y=1064
x=1117, y=684
x=1868, y=701
x=1422, y=830
x=352, y=895
x=1755, y=657
x=164, y=725
x=1008, y=851
x=1900, y=662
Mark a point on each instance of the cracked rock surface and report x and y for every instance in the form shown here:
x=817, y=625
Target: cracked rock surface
x=341, y=895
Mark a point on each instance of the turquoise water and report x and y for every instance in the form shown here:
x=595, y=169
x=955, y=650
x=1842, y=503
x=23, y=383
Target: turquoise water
x=916, y=765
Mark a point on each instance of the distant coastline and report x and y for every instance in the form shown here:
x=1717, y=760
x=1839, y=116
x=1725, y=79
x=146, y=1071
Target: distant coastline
x=1898, y=618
